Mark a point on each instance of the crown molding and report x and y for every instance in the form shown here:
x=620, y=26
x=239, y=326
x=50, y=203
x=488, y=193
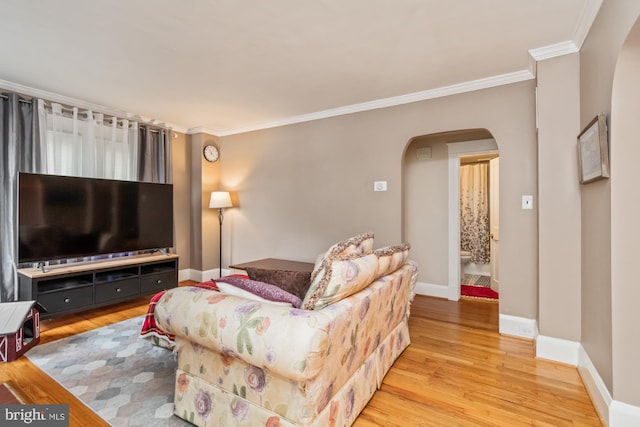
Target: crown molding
x=74, y=102
x=500, y=80
x=553, y=50
x=585, y=21
x=587, y=16
x=201, y=129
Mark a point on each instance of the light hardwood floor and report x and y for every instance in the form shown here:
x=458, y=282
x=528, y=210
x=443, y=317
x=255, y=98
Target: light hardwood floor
x=458, y=371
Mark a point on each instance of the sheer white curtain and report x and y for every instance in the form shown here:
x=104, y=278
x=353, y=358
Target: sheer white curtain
x=84, y=143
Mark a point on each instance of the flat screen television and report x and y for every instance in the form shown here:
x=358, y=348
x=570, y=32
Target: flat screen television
x=62, y=217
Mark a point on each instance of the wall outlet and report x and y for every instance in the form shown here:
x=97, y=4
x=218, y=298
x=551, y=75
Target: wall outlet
x=380, y=186
x=527, y=202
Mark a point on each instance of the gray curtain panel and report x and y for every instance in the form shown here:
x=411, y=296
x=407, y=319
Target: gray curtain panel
x=18, y=152
x=155, y=155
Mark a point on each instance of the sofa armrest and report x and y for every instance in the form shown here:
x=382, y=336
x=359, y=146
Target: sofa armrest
x=288, y=341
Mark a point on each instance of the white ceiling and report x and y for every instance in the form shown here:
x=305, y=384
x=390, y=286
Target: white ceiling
x=229, y=66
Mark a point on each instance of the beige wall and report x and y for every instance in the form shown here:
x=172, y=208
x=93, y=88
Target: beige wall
x=302, y=187
x=426, y=181
x=559, y=198
x=607, y=322
x=625, y=229
x=181, y=169
x=205, y=178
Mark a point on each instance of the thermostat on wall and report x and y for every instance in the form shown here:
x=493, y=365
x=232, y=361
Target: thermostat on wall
x=423, y=153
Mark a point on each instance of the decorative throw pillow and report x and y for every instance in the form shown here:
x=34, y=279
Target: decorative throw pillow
x=391, y=258
x=362, y=244
x=294, y=282
x=340, y=279
x=255, y=290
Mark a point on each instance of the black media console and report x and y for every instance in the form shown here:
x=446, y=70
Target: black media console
x=74, y=287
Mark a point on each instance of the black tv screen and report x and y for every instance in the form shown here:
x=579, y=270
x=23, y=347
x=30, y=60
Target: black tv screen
x=62, y=217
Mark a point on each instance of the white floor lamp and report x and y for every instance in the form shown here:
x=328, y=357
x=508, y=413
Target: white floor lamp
x=220, y=200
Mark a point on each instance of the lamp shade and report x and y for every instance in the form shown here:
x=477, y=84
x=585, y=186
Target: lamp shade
x=220, y=199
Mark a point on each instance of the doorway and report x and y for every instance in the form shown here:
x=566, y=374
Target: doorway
x=457, y=152
x=479, y=225
x=431, y=206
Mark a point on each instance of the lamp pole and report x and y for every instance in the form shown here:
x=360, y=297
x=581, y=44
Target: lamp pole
x=220, y=218
x=220, y=200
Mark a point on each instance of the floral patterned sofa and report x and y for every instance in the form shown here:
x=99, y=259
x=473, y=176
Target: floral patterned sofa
x=252, y=362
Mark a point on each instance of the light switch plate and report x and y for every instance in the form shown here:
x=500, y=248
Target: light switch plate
x=380, y=186
x=527, y=202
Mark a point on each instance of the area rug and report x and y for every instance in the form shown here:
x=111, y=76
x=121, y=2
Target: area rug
x=478, y=292
x=125, y=379
x=476, y=280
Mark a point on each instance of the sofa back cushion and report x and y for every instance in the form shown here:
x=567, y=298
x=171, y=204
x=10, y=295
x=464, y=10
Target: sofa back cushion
x=340, y=278
x=362, y=244
x=391, y=258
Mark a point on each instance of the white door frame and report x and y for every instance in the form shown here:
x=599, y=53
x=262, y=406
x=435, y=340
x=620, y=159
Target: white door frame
x=455, y=150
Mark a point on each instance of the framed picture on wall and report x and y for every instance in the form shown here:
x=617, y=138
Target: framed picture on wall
x=593, y=151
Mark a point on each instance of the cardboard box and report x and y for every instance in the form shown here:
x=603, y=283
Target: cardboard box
x=19, y=328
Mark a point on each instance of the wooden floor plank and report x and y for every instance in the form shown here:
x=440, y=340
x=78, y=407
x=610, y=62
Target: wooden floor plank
x=458, y=371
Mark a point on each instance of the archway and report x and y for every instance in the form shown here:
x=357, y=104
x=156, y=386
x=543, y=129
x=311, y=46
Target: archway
x=431, y=205
x=625, y=229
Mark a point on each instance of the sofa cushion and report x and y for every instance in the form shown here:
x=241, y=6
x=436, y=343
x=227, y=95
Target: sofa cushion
x=362, y=244
x=252, y=289
x=339, y=279
x=294, y=282
x=391, y=258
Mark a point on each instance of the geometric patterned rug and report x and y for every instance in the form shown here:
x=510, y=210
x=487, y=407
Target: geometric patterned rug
x=125, y=379
x=476, y=280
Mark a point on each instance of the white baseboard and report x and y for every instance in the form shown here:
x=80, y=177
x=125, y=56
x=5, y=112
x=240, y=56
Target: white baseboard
x=623, y=415
x=612, y=412
x=557, y=349
x=201, y=276
x=596, y=388
x=432, y=290
x=518, y=326
x=184, y=274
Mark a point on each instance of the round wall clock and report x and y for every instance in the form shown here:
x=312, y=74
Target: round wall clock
x=210, y=153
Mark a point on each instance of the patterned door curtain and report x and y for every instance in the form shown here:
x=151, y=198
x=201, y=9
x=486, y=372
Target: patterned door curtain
x=474, y=211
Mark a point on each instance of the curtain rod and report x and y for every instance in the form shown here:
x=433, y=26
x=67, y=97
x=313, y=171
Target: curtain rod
x=64, y=107
x=473, y=162
x=24, y=101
